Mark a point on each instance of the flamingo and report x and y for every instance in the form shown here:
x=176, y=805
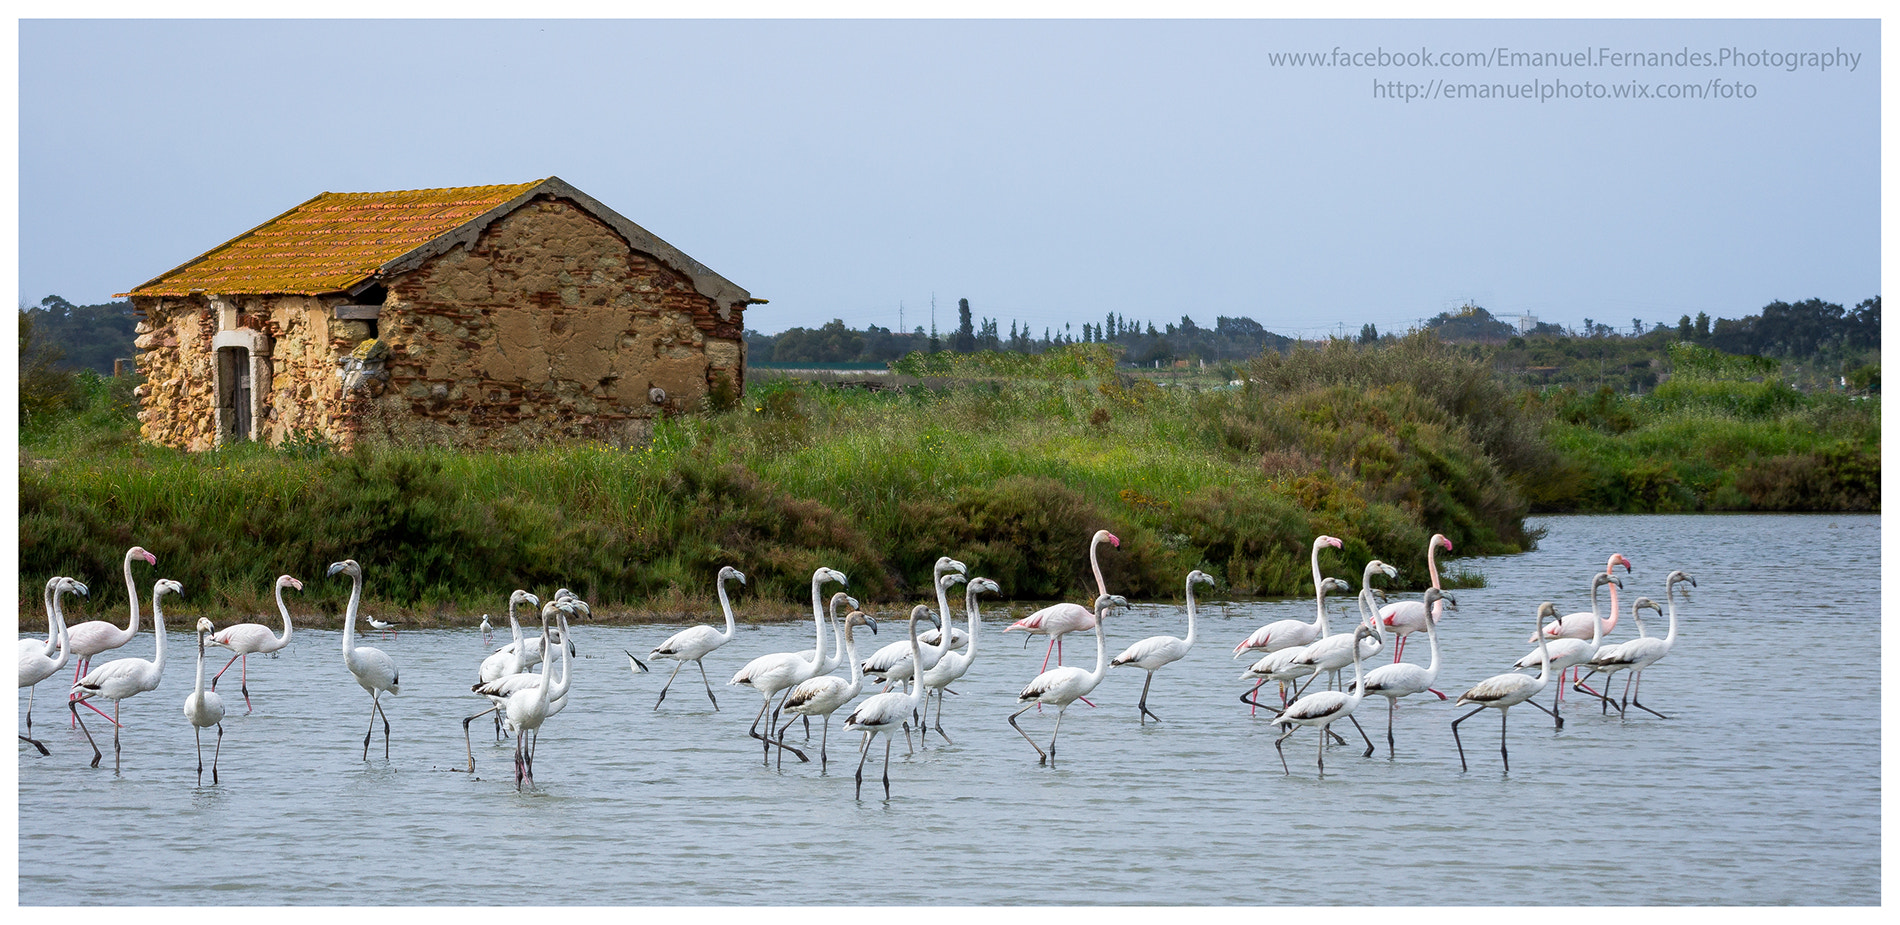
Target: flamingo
x=695, y=643
x=823, y=695
x=1502, y=692
x=204, y=707
x=955, y=665
x=1280, y=664
x=123, y=677
x=512, y=658
x=827, y=663
x=373, y=668
x=95, y=636
x=893, y=663
x=1403, y=679
x=1323, y=708
x=1407, y=617
x=885, y=712
x=37, y=662
x=528, y=709
x=1059, y=620
x=499, y=689
x=245, y=638
x=1339, y=649
x=1156, y=651
x=1063, y=685
x=930, y=637
x=1640, y=653
x=1284, y=634
x=1566, y=652
x=1608, y=658
x=770, y=674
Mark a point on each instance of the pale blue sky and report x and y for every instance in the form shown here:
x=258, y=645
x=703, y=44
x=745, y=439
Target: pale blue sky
x=1049, y=171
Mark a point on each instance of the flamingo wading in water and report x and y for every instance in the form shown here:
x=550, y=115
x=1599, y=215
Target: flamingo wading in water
x=205, y=708
x=1285, y=634
x=1059, y=620
x=1156, y=651
x=1065, y=684
x=246, y=638
x=695, y=643
x=1404, y=618
x=1323, y=708
x=37, y=661
x=1504, y=691
x=124, y=677
x=96, y=636
x=373, y=667
x=1403, y=679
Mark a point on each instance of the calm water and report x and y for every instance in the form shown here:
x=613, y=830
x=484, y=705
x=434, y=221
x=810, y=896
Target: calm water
x=1762, y=787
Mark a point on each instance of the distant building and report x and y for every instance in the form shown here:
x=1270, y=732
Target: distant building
x=473, y=316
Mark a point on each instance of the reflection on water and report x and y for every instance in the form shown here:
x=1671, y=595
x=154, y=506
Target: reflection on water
x=1750, y=793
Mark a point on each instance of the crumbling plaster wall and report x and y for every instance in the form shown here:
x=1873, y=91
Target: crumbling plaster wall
x=548, y=327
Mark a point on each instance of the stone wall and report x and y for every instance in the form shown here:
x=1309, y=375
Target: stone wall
x=548, y=327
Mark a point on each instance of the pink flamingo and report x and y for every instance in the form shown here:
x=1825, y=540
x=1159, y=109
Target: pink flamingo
x=1407, y=617
x=245, y=638
x=1058, y=620
x=95, y=636
x=1284, y=634
x=123, y=677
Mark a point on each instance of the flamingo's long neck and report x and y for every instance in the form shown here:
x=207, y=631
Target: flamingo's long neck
x=969, y=605
x=1101, y=649
x=284, y=609
x=837, y=641
x=1368, y=615
x=725, y=604
x=1095, y=563
x=1543, y=647
x=514, y=625
x=1670, y=592
x=1431, y=564
x=349, y=614
x=818, y=621
x=1190, y=596
x=1614, y=612
x=132, y=592
x=1319, y=589
x=916, y=665
x=65, y=644
x=1358, y=690
x=51, y=630
x=198, y=685
x=857, y=670
x=561, y=685
x=1431, y=635
x=158, y=633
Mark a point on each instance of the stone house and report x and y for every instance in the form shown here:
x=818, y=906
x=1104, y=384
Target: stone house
x=483, y=316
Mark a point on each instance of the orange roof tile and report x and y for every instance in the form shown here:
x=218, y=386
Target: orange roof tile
x=332, y=242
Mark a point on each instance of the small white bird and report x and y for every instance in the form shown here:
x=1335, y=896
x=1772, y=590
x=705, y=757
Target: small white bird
x=380, y=624
x=488, y=629
x=1156, y=651
x=205, y=708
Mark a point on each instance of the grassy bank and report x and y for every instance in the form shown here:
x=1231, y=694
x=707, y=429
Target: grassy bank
x=1007, y=463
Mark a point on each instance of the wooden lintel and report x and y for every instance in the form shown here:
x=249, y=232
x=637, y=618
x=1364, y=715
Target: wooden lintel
x=358, y=312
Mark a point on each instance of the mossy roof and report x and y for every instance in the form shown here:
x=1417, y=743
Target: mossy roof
x=340, y=242
x=331, y=242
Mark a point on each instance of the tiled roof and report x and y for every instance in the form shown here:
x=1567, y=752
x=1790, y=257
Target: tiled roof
x=332, y=242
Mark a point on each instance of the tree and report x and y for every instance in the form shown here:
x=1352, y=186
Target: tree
x=1368, y=334
x=1702, y=325
x=1685, y=328
x=965, y=339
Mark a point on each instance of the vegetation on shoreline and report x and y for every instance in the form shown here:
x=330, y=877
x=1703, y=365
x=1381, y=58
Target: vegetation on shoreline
x=1008, y=462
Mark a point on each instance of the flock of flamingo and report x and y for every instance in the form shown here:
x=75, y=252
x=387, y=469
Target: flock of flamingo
x=1293, y=653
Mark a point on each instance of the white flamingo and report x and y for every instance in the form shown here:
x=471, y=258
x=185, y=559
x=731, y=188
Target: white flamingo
x=1058, y=620
x=1156, y=651
x=1608, y=659
x=245, y=638
x=1569, y=652
x=1640, y=653
x=779, y=671
x=1403, y=679
x=96, y=636
x=512, y=658
x=1286, y=665
x=528, y=709
x=1502, y=692
x=893, y=663
x=954, y=665
x=37, y=659
x=1340, y=649
x=1404, y=618
x=885, y=712
x=500, y=689
x=1285, y=634
x=204, y=707
x=1323, y=708
x=823, y=695
x=373, y=667
x=696, y=642
x=123, y=677
x=1065, y=684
